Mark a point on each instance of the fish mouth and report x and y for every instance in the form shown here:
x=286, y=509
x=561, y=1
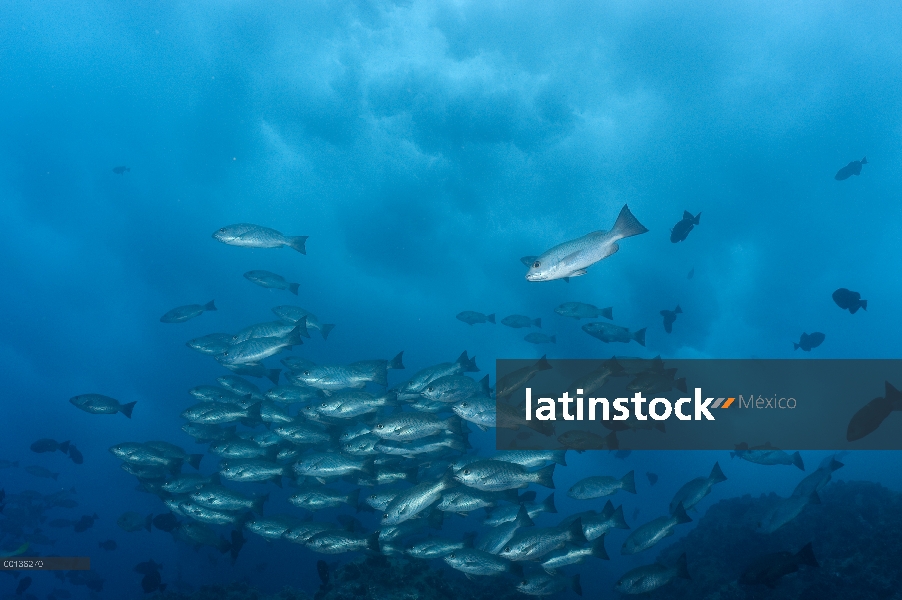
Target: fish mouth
x=535, y=277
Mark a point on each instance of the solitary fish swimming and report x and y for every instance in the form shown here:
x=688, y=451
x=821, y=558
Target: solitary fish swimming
x=581, y=310
x=571, y=259
x=853, y=168
x=684, y=226
x=255, y=236
x=808, y=341
x=608, y=332
x=98, y=404
x=849, y=300
x=183, y=313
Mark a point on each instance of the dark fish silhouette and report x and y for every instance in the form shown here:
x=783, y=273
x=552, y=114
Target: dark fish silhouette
x=853, y=168
x=471, y=317
x=24, y=584
x=108, y=545
x=670, y=317
x=48, y=445
x=165, y=522
x=120, y=170
x=153, y=582
x=622, y=454
x=768, y=569
x=146, y=567
x=849, y=300
x=652, y=478
x=807, y=342
x=323, y=570
x=691, y=273
x=85, y=523
x=872, y=414
x=685, y=225
x=76, y=455
x=238, y=541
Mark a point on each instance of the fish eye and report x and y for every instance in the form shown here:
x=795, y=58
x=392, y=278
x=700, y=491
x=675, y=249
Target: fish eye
x=306, y=372
x=464, y=405
x=507, y=548
x=535, y=265
x=466, y=471
x=324, y=405
x=380, y=426
x=430, y=388
x=385, y=516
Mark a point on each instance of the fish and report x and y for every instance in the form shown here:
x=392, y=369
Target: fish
x=511, y=382
x=784, y=511
x=354, y=375
x=544, y=584
x=166, y=522
x=319, y=498
x=252, y=469
x=254, y=370
x=534, y=543
x=271, y=280
x=849, y=300
x=572, y=258
x=651, y=577
x=498, y=475
x=422, y=378
x=684, y=226
x=692, y=492
x=463, y=500
x=39, y=471
x=217, y=413
x=438, y=547
x=248, y=235
x=294, y=314
x=770, y=568
x=533, y=458
x=183, y=313
x=594, y=380
x=454, y=388
x=767, y=455
x=608, y=332
x=645, y=536
x=108, y=545
x=580, y=440
x=256, y=349
x=653, y=479
x=153, y=582
x=412, y=501
x=596, y=525
x=574, y=555
x=132, y=521
x=656, y=380
x=691, y=273
x=540, y=338
x=220, y=498
x=819, y=478
x=97, y=404
x=408, y=426
x=601, y=486
x=322, y=569
x=472, y=317
x=49, y=445
x=580, y=310
x=853, y=168
x=120, y=170
x=270, y=329
x=478, y=562
x=85, y=523
x=339, y=542
x=212, y=344
x=869, y=417
x=521, y=321
x=809, y=341
x=329, y=465
x=669, y=317
x=76, y=455
x=495, y=540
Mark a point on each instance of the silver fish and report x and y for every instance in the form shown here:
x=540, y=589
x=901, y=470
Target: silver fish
x=693, y=491
x=183, y=313
x=608, y=332
x=600, y=486
x=497, y=475
x=256, y=236
x=650, y=577
x=271, y=280
x=97, y=404
x=294, y=314
x=415, y=500
x=647, y=535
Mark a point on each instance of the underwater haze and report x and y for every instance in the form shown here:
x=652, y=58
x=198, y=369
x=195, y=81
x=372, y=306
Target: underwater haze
x=424, y=149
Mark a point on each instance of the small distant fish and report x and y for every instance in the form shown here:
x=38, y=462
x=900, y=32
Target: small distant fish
x=581, y=310
x=652, y=478
x=767, y=455
x=108, y=545
x=601, y=486
x=669, y=317
x=768, y=569
x=132, y=521
x=511, y=382
x=807, y=342
x=471, y=317
x=49, y=445
x=271, y=280
x=586, y=440
x=214, y=343
x=540, y=338
x=97, y=404
x=153, y=582
x=85, y=523
x=853, y=168
x=849, y=300
x=149, y=566
x=76, y=455
x=519, y=321
x=871, y=415
x=121, y=170
x=784, y=511
x=692, y=492
x=255, y=236
x=166, y=522
x=608, y=332
x=322, y=569
x=183, y=313
x=572, y=258
x=622, y=454
x=691, y=273
x=685, y=225
x=650, y=534
x=651, y=577
x=39, y=471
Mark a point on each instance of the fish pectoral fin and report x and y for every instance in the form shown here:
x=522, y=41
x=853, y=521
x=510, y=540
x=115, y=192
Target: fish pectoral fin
x=612, y=249
x=578, y=273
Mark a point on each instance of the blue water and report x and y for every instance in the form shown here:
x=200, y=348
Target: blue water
x=425, y=147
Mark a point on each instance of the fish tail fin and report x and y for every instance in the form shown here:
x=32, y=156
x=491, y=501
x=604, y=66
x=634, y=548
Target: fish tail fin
x=559, y=457
x=598, y=550
x=697, y=219
x=548, y=504
x=544, y=476
x=716, y=475
x=611, y=441
x=628, y=482
x=566, y=279
x=523, y=519
x=627, y=225
x=680, y=514
x=293, y=288
x=608, y=313
x=273, y=375
x=576, y=532
x=210, y=306
x=194, y=460
x=529, y=496
x=298, y=242
x=397, y=362
x=126, y=409
x=863, y=304
x=682, y=569
x=681, y=385
x=454, y=425
x=469, y=538
x=618, y=521
x=300, y=329
x=677, y=310
x=537, y=323
x=253, y=411
x=484, y=385
x=542, y=364
x=64, y=446
x=797, y=460
x=864, y=160
x=257, y=505
x=326, y=329
x=470, y=364
x=639, y=336
x=491, y=318
x=795, y=346
x=574, y=583
x=806, y=556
